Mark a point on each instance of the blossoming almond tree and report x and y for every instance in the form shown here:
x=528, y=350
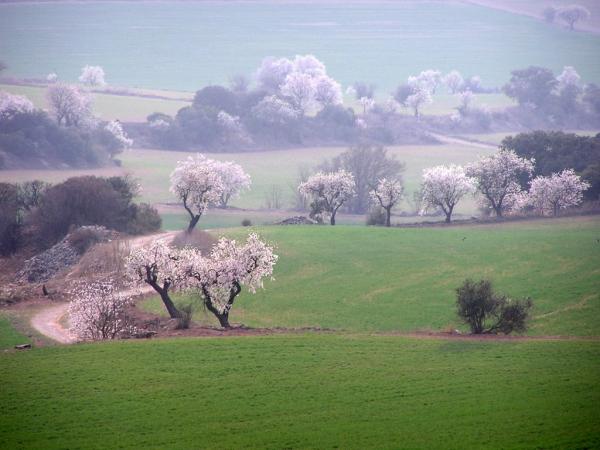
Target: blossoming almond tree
x=12, y=105
x=388, y=193
x=230, y=266
x=558, y=191
x=197, y=182
x=92, y=76
x=160, y=267
x=69, y=105
x=98, y=312
x=444, y=186
x=497, y=178
x=328, y=191
x=234, y=180
x=116, y=129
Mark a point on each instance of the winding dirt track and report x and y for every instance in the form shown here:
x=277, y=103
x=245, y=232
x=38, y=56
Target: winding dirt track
x=48, y=320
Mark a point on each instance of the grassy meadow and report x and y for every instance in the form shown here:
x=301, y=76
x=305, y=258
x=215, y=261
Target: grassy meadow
x=303, y=391
x=403, y=279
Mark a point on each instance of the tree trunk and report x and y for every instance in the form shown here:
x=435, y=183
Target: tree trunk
x=193, y=223
x=388, y=213
x=498, y=210
x=332, y=219
x=449, y=214
x=166, y=299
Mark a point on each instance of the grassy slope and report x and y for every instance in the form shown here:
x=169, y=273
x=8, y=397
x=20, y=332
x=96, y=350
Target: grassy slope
x=354, y=278
x=324, y=391
x=9, y=336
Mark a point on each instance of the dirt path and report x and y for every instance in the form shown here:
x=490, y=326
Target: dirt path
x=457, y=140
x=48, y=320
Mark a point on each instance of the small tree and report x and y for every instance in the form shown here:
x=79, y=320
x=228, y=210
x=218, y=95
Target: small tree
x=12, y=105
x=221, y=276
x=498, y=178
x=572, y=14
x=443, y=187
x=98, y=312
x=329, y=191
x=234, y=180
x=486, y=312
x=197, y=183
x=558, y=191
x=454, y=81
x=387, y=194
x=420, y=98
x=161, y=267
x=69, y=106
x=115, y=128
x=92, y=76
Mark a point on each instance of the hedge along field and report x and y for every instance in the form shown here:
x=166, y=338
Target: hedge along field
x=303, y=391
x=126, y=108
x=403, y=279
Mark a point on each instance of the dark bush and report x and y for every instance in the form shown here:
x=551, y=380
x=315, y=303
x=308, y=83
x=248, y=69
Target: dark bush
x=376, y=216
x=246, y=223
x=145, y=220
x=10, y=219
x=84, y=237
x=489, y=313
x=89, y=200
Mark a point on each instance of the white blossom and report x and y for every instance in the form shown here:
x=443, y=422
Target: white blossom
x=70, y=106
x=197, y=182
x=329, y=190
x=116, y=129
x=454, y=81
x=97, y=312
x=220, y=276
x=444, y=186
x=497, y=178
x=327, y=91
x=568, y=77
x=300, y=90
x=12, y=105
x=548, y=195
x=51, y=77
x=366, y=103
x=275, y=111
x=233, y=178
x=272, y=73
x=92, y=76
x=420, y=98
x=388, y=194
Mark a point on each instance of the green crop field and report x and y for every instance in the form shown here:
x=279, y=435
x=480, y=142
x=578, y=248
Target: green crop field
x=187, y=45
x=378, y=279
x=304, y=391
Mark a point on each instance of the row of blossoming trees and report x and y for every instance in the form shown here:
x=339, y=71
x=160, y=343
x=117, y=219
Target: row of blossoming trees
x=99, y=311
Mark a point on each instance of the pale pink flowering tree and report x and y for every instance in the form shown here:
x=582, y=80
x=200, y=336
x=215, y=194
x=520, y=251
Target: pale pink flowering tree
x=115, y=128
x=454, y=81
x=299, y=89
x=309, y=65
x=443, y=187
x=197, y=183
x=275, y=111
x=234, y=180
x=558, y=191
x=417, y=100
x=328, y=191
x=498, y=176
x=92, y=76
x=327, y=91
x=388, y=194
x=428, y=80
x=233, y=130
x=230, y=266
x=160, y=267
x=98, y=312
x=568, y=77
x=272, y=73
x=12, y=105
x=69, y=105
x=367, y=103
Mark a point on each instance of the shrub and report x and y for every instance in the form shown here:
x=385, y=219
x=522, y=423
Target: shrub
x=246, y=223
x=10, y=221
x=198, y=239
x=145, y=219
x=185, y=318
x=84, y=237
x=376, y=216
x=489, y=313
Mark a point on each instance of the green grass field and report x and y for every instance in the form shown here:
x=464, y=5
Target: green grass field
x=305, y=391
x=377, y=279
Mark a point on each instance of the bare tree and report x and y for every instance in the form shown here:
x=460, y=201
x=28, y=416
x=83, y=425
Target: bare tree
x=273, y=197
